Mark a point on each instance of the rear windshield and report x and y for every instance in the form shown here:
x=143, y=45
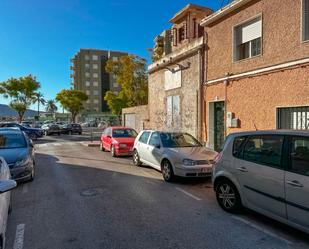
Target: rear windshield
x=12, y=140
x=124, y=133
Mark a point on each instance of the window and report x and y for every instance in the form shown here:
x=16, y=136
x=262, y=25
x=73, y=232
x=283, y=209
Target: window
x=154, y=140
x=115, y=59
x=87, y=83
x=305, y=17
x=124, y=133
x=88, y=92
x=248, y=39
x=95, y=75
x=300, y=155
x=181, y=34
x=87, y=65
x=144, y=137
x=96, y=101
x=173, y=111
x=174, y=140
x=87, y=57
x=237, y=146
x=95, y=66
x=95, y=57
x=296, y=118
x=266, y=150
x=87, y=74
x=95, y=83
x=95, y=92
x=115, y=84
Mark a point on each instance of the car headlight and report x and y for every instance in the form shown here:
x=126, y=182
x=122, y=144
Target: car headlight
x=122, y=146
x=23, y=162
x=188, y=162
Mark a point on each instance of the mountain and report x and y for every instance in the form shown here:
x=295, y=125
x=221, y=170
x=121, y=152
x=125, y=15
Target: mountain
x=6, y=111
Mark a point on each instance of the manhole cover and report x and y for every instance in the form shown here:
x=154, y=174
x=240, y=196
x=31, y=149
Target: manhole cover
x=91, y=192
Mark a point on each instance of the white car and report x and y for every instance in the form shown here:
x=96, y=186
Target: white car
x=267, y=171
x=5, y=196
x=173, y=153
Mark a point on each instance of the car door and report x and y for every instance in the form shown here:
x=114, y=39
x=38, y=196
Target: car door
x=142, y=145
x=260, y=173
x=107, y=138
x=297, y=181
x=154, y=150
x=4, y=198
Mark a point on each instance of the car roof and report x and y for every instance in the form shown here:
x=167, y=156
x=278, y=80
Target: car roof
x=120, y=127
x=272, y=132
x=10, y=130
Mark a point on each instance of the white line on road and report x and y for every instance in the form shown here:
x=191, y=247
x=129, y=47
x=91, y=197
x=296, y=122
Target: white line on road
x=261, y=229
x=19, y=237
x=188, y=194
x=56, y=144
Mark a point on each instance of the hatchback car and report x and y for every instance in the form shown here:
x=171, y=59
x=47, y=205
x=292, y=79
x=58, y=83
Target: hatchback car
x=267, y=171
x=32, y=133
x=6, y=184
x=71, y=129
x=50, y=129
x=173, y=153
x=18, y=151
x=118, y=140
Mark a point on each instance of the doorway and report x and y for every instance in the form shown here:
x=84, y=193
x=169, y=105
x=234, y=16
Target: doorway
x=216, y=124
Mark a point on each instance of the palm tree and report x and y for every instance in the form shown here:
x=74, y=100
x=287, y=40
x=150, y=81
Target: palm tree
x=39, y=98
x=51, y=106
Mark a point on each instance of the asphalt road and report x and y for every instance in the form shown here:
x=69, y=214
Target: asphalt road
x=82, y=198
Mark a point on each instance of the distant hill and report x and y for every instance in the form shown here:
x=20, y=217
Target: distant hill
x=6, y=111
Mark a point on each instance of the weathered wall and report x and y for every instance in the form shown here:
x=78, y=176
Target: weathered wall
x=141, y=116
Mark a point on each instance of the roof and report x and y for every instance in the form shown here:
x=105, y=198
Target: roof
x=10, y=129
x=273, y=132
x=224, y=11
x=190, y=7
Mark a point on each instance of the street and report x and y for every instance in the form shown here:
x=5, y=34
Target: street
x=82, y=198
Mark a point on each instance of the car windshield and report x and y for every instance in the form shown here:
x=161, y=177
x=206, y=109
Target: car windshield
x=124, y=133
x=12, y=140
x=175, y=140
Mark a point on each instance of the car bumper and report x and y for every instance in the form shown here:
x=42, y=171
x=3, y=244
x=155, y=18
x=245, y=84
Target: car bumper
x=20, y=174
x=124, y=152
x=193, y=171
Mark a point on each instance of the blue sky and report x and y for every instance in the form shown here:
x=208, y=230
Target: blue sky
x=40, y=36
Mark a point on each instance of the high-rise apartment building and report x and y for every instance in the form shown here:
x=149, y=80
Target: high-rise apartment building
x=89, y=75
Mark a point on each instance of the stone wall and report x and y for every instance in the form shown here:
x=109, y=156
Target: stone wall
x=141, y=117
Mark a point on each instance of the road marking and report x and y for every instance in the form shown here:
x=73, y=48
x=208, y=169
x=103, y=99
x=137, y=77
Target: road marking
x=56, y=144
x=25, y=189
x=19, y=237
x=261, y=229
x=188, y=194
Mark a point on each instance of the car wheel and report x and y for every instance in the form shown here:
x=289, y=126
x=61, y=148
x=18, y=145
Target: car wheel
x=228, y=196
x=59, y=133
x=46, y=133
x=102, y=147
x=80, y=133
x=113, y=153
x=33, y=136
x=136, y=159
x=167, y=171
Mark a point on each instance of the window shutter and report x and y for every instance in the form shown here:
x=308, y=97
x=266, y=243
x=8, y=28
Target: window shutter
x=175, y=37
x=251, y=31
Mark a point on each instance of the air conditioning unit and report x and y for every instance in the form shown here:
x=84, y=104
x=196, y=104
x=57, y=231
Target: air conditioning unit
x=235, y=123
x=229, y=117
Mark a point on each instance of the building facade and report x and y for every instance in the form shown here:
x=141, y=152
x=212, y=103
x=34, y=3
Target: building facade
x=257, y=68
x=176, y=74
x=89, y=75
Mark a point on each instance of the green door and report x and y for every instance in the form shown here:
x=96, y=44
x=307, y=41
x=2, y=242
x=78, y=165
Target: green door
x=218, y=125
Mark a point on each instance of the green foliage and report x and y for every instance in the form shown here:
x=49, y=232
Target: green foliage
x=131, y=75
x=72, y=101
x=51, y=106
x=22, y=91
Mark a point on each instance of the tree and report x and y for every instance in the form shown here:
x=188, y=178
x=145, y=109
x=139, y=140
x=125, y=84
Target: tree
x=131, y=75
x=72, y=101
x=40, y=100
x=22, y=91
x=51, y=106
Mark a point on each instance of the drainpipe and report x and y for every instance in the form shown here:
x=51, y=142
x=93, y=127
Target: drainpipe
x=201, y=110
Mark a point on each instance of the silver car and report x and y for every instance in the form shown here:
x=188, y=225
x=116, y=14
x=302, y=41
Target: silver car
x=5, y=197
x=267, y=171
x=173, y=153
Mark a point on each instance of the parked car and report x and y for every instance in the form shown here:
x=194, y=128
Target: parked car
x=6, y=184
x=173, y=153
x=118, y=140
x=71, y=129
x=18, y=151
x=267, y=171
x=50, y=129
x=33, y=133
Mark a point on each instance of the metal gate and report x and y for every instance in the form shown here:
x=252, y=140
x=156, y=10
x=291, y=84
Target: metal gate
x=296, y=118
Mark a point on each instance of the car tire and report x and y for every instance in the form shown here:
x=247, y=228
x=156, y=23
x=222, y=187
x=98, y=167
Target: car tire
x=33, y=137
x=167, y=171
x=59, y=133
x=102, y=147
x=113, y=153
x=46, y=133
x=80, y=133
x=136, y=159
x=228, y=197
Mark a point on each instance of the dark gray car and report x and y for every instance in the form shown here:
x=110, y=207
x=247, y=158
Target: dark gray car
x=18, y=151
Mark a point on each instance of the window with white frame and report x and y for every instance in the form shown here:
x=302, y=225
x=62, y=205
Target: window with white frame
x=95, y=66
x=87, y=65
x=248, y=39
x=95, y=75
x=88, y=92
x=96, y=101
x=86, y=57
x=95, y=92
x=305, y=21
x=173, y=111
x=87, y=74
x=87, y=83
x=95, y=83
x=95, y=57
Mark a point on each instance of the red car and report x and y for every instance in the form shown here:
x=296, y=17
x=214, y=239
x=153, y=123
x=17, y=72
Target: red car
x=118, y=140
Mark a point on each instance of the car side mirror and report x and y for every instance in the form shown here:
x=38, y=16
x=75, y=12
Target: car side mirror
x=7, y=185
